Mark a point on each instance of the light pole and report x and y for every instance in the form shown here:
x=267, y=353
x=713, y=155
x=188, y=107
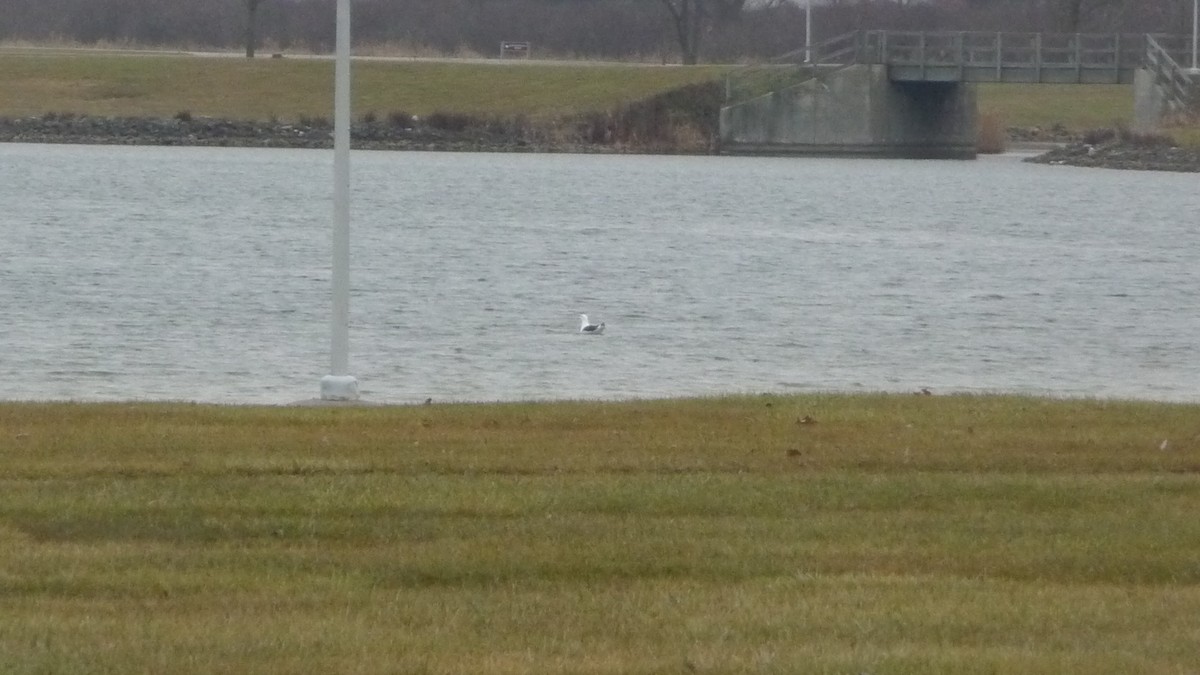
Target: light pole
x=808, y=32
x=1195, y=70
x=339, y=385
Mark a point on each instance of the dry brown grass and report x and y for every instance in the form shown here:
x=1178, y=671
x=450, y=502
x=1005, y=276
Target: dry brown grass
x=992, y=136
x=1185, y=129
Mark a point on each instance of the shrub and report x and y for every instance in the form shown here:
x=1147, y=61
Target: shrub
x=597, y=128
x=314, y=122
x=657, y=120
x=453, y=122
x=1149, y=139
x=400, y=119
x=183, y=116
x=1098, y=136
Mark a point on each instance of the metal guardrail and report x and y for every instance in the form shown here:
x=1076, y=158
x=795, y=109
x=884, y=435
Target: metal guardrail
x=793, y=67
x=840, y=50
x=1181, y=91
x=1077, y=58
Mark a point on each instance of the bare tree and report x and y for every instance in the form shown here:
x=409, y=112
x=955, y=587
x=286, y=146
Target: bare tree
x=252, y=26
x=1074, y=16
x=692, y=18
x=710, y=30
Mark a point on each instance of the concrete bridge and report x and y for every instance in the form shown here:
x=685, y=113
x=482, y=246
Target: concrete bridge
x=908, y=94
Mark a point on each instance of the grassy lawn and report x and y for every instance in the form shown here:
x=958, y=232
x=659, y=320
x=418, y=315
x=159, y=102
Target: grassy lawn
x=810, y=534
x=1076, y=107
x=1043, y=105
x=163, y=85
x=121, y=83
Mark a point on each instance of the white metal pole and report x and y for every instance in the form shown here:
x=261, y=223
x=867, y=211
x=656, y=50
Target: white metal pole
x=808, y=32
x=1195, y=30
x=341, y=194
x=339, y=385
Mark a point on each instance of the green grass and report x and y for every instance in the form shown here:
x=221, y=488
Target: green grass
x=123, y=84
x=1187, y=135
x=1077, y=107
x=824, y=534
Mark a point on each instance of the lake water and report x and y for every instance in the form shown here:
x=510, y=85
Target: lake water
x=203, y=274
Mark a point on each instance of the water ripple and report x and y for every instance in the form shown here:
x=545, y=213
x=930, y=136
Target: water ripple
x=202, y=274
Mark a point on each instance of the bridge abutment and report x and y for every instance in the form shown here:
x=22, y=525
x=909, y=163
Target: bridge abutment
x=856, y=111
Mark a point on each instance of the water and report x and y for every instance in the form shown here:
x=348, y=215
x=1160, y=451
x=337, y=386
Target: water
x=203, y=274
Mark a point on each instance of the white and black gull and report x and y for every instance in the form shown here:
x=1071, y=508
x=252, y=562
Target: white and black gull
x=589, y=328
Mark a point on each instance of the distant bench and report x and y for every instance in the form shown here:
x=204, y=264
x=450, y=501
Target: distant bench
x=518, y=50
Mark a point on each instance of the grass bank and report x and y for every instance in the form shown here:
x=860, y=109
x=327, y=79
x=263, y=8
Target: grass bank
x=535, y=105
x=883, y=534
x=291, y=89
x=1074, y=109
x=1077, y=107
x=34, y=83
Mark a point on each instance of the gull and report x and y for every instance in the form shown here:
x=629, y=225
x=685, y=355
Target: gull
x=590, y=328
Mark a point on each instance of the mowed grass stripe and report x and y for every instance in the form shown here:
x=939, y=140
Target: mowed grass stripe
x=817, y=533
x=961, y=588
x=1111, y=530
x=740, y=434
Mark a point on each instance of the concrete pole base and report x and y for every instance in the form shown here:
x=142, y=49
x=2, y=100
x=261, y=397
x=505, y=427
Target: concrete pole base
x=339, y=388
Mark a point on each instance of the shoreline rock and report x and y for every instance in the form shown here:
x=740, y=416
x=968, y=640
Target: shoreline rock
x=498, y=136
x=1054, y=135
x=187, y=130
x=1123, y=155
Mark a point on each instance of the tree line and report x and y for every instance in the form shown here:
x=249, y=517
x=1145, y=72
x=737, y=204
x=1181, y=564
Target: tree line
x=667, y=30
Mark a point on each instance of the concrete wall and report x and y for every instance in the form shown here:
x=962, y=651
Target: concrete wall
x=1149, y=102
x=855, y=111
